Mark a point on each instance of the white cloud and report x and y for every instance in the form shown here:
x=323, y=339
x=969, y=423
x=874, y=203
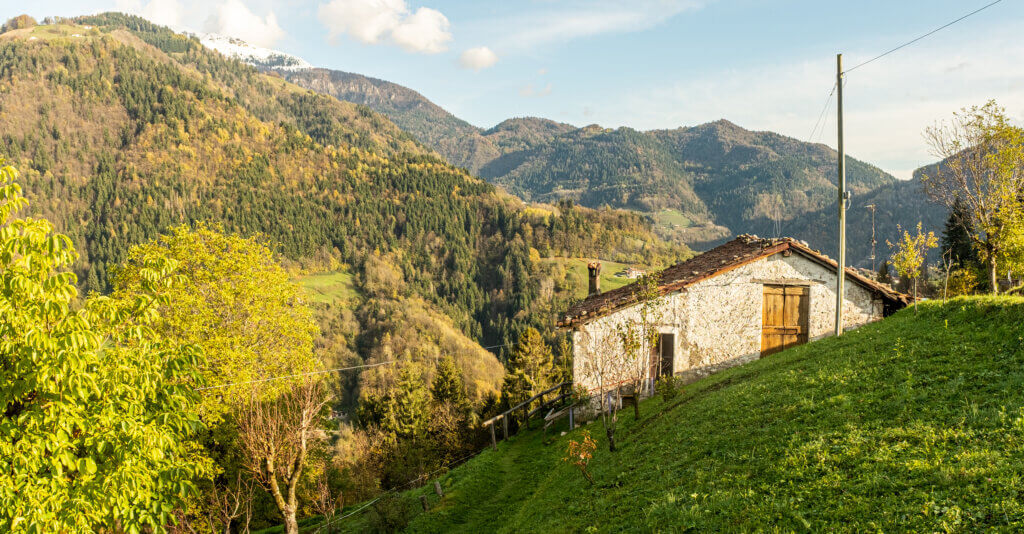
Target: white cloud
x=162, y=12
x=425, y=31
x=478, y=58
x=233, y=18
x=373, y=21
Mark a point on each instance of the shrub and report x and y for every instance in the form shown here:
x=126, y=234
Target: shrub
x=667, y=387
x=389, y=514
x=579, y=453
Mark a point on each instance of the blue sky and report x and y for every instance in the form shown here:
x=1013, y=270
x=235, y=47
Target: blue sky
x=646, y=63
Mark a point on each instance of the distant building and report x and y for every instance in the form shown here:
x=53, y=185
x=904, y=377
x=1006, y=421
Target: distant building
x=633, y=273
x=743, y=300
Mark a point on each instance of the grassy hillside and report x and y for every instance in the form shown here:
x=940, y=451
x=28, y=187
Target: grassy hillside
x=915, y=423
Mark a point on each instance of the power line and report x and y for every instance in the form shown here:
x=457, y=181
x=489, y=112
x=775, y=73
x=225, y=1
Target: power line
x=298, y=375
x=326, y=371
x=810, y=138
x=912, y=41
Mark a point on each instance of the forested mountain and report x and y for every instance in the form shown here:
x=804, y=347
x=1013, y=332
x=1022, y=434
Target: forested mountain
x=123, y=129
x=699, y=184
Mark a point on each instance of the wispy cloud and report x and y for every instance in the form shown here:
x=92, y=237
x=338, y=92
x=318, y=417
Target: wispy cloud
x=565, y=21
x=887, y=104
x=529, y=90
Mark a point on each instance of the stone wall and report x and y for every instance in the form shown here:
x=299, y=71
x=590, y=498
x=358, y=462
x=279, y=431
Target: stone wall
x=717, y=322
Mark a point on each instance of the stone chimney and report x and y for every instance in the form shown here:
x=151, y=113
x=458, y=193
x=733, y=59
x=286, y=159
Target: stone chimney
x=594, y=268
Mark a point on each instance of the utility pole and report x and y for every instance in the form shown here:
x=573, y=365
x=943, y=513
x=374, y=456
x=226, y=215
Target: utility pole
x=841, y=272
x=872, y=208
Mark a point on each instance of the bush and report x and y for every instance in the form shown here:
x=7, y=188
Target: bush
x=389, y=514
x=667, y=387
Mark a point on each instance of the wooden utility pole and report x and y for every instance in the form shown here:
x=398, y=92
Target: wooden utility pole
x=873, y=241
x=841, y=272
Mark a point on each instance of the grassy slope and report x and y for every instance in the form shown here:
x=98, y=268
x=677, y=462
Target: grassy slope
x=578, y=266
x=330, y=288
x=912, y=423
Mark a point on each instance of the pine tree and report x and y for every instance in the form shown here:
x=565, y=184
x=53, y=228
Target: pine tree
x=530, y=368
x=449, y=386
x=956, y=237
x=884, y=276
x=408, y=405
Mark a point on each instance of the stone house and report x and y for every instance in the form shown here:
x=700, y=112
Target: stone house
x=743, y=300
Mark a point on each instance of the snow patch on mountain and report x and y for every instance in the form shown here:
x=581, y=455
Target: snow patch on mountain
x=253, y=55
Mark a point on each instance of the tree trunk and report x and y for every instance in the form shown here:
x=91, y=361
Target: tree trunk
x=992, y=273
x=291, y=524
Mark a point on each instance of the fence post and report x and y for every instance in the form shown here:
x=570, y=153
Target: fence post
x=494, y=440
x=437, y=489
x=423, y=501
x=571, y=422
x=526, y=415
x=504, y=425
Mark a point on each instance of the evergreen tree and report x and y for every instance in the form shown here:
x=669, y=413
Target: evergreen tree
x=884, y=276
x=956, y=237
x=530, y=368
x=407, y=405
x=449, y=386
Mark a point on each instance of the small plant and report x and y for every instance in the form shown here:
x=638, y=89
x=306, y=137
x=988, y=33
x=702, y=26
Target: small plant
x=668, y=388
x=580, y=452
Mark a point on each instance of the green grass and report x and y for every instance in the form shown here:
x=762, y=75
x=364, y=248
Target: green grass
x=330, y=288
x=914, y=423
x=578, y=266
x=671, y=219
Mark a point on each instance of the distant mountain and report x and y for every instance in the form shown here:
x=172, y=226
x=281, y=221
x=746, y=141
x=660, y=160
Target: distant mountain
x=712, y=180
x=122, y=129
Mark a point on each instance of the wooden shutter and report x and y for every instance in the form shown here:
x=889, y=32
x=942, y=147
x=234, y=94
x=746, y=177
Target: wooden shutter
x=785, y=314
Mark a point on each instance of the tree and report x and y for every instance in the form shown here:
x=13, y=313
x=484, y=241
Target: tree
x=639, y=335
x=448, y=386
x=883, y=273
x=604, y=367
x=17, y=23
x=910, y=253
x=97, y=408
x=236, y=303
x=983, y=167
x=530, y=369
x=277, y=437
x=402, y=409
x=956, y=237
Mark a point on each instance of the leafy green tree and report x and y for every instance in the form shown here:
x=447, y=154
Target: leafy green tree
x=983, y=154
x=97, y=407
x=910, y=254
x=236, y=303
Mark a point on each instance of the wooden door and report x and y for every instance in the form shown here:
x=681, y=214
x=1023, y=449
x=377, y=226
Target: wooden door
x=663, y=356
x=784, y=317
